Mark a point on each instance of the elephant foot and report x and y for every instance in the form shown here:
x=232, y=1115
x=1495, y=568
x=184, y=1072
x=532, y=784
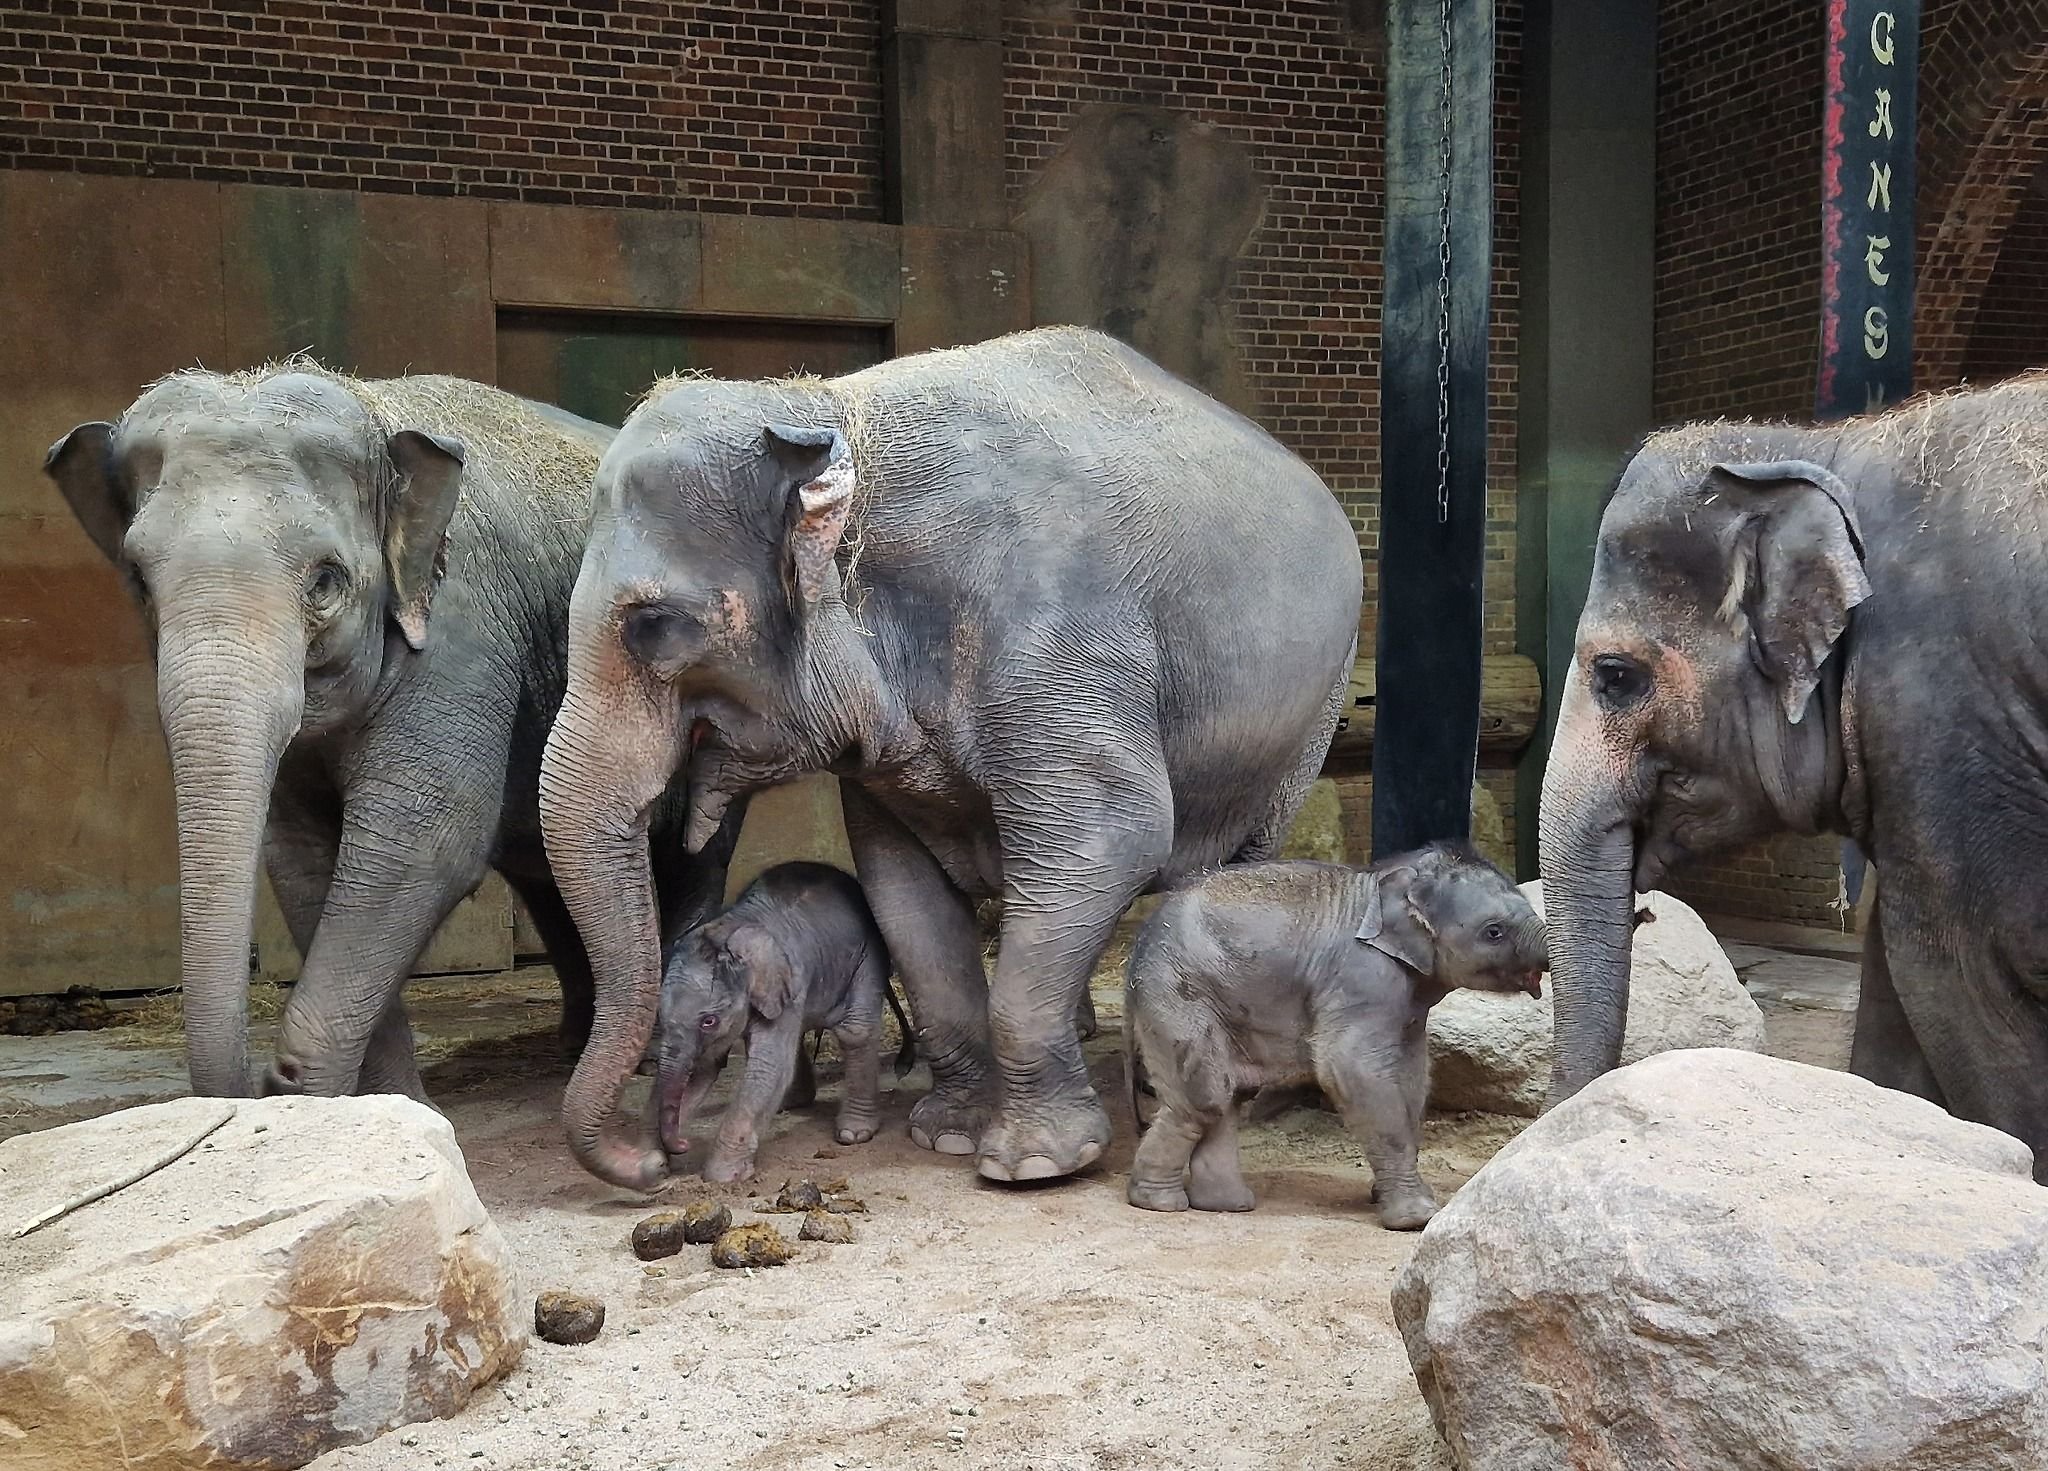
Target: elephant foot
x=855, y=1127
x=726, y=1167
x=1157, y=1197
x=1407, y=1210
x=947, y=1122
x=1055, y=1141
x=1220, y=1195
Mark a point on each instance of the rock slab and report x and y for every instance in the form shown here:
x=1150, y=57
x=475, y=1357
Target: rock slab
x=1492, y=1052
x=1718, y=1259
x=316, y=1272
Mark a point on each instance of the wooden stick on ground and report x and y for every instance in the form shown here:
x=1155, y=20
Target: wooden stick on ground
x=101, y=1192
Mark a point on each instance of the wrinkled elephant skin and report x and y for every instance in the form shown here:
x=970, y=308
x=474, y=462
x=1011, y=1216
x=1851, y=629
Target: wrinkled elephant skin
x=1020, y=598
x=358, y=596
x=1839, y=629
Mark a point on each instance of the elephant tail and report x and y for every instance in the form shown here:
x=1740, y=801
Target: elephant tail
x=906, y=1054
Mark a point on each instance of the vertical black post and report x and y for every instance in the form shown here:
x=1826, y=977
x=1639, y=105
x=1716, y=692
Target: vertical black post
x=1433, y=419
x=1867, y=216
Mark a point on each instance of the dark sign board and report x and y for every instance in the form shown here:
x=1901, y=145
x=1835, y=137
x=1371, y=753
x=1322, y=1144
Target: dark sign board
x=1867, y=174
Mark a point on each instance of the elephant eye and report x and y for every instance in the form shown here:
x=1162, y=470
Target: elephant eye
x=658, y=636
x=708, y=1022
x=1619, y=681
x=1495, y=934
x=324, y=586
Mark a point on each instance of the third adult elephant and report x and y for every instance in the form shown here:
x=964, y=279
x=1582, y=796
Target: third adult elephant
x=1841, y=629
x=1063, y=626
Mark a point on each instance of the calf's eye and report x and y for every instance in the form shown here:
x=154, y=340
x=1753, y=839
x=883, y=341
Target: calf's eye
x=708, y=1021
x=1495, y=934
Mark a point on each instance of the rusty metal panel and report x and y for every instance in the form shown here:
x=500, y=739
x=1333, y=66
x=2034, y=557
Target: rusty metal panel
x=599, y=363
x=374, y=284
x=109, y=284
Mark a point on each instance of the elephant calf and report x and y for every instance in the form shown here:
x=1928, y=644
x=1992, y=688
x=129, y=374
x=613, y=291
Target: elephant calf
x=797, y=952
x=1278, y=972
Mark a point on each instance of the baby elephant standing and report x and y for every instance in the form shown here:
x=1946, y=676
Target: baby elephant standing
x=1275, y=973
x=797, y=951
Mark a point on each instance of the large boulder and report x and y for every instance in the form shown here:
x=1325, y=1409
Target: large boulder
x=314, y=1273
x=1492, y=1051
x=1718, y=1259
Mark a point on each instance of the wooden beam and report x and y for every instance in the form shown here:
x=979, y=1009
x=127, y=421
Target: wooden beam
x=1510, y=705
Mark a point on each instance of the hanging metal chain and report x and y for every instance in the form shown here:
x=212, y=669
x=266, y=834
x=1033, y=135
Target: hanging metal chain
x=1443, y=279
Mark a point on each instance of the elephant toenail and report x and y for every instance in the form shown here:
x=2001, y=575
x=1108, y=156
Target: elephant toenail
x=954, y=1144
x=1037, y=1167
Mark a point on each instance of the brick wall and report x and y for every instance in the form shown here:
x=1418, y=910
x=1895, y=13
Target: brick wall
x=653, y=103
x=2010, y=331
x=1308, y=98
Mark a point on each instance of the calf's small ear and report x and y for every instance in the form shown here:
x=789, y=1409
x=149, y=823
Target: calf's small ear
x=821, y=465
x=771, y=979
x=82, y=464
x=1405, y=934
x=423, y=496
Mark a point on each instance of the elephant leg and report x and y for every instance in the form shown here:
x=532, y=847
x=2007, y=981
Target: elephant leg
x=300, y=840
x=1085, y=1025
x=1884, y=1049
x=803, y=1083
x=1067, y=879
x=1159, y=1169
x=390, y=1064
x=408, y=855
x=1216, y=1173
x=772, y=1056
x=1368, y=1078
x=936, y=944
x=1982, y=1030
x=566, y=954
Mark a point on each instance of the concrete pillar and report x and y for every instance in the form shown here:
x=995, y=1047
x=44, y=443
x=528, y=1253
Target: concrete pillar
x=942, y=114
x=1589, y=161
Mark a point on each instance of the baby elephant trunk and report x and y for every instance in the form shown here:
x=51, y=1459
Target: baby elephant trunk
x=680, y=1082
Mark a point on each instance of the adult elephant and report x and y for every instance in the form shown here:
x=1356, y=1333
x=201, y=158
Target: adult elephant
x=1064, y=628
x=357, y=594
x=1839, y=629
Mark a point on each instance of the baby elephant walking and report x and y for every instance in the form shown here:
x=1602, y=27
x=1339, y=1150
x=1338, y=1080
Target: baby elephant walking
x=797, y=951
x=1275, y=973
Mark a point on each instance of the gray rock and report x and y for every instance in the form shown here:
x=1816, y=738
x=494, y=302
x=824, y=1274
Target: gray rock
x=1492, y=1052
x=1714, y=1258
x=317, y=1272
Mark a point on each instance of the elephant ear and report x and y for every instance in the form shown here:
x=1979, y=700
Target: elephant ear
x=771, y=979
x=1404, y=935
x=821, y=464
x=1797, y=572
x=82, y=464
x=423, y=495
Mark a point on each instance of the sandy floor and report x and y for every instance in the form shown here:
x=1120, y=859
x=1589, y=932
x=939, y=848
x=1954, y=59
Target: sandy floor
x=1050, y=1327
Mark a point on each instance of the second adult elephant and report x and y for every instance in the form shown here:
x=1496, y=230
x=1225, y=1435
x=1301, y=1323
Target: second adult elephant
x=358, y=594
x=1837, y=629
x=1063, y=626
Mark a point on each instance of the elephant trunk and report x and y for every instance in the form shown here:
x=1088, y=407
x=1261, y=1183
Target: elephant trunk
x=1588, y=854
x=231, y=691
x=609, y=757
x=680, y=1086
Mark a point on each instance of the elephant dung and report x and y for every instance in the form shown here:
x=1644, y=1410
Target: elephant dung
x=757, y=1245
x=662, y=1234
x=799, y=1195
x=822, y=1225
x=1491, y=1051
x=705, y=1221
x=566, y=1318
x=1714, y=1258
x=314, y=1273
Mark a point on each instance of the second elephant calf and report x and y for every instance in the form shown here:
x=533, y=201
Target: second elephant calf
x=1275, y=973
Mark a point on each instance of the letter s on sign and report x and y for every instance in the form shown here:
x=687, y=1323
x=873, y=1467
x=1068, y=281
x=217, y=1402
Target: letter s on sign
x=1876, y=332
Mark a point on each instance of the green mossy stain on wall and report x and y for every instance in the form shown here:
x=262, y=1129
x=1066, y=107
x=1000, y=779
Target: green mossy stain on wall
x=309, y=245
